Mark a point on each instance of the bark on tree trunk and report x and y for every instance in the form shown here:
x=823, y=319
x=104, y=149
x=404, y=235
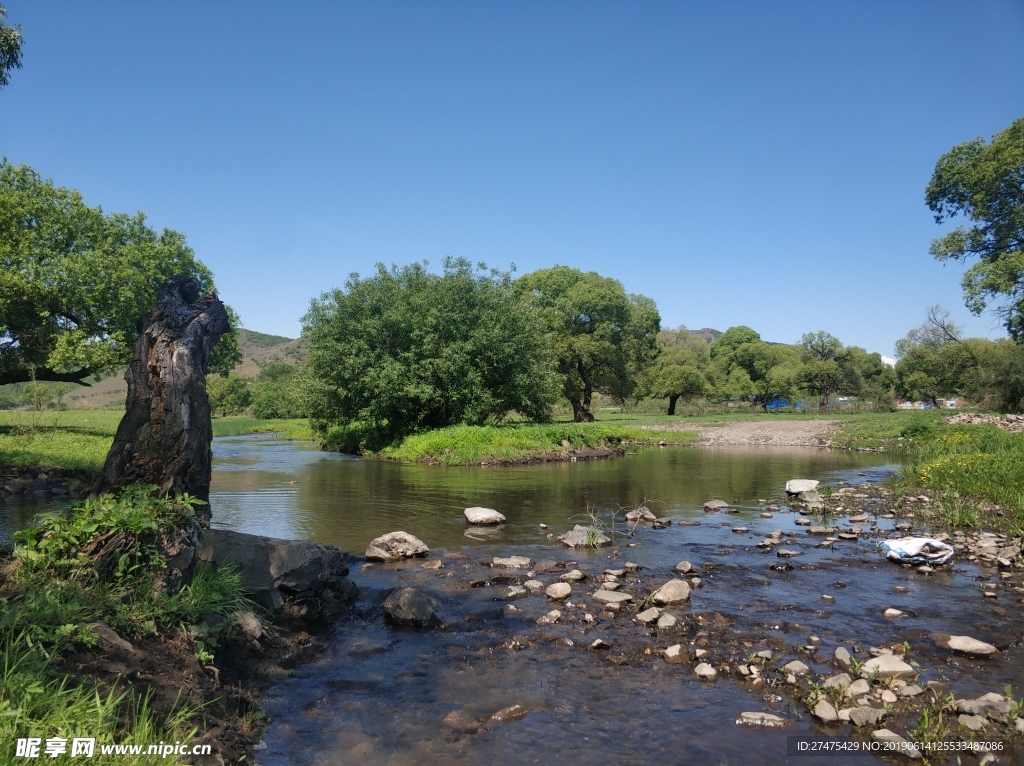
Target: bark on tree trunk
x=165, y=434
x=672, y=404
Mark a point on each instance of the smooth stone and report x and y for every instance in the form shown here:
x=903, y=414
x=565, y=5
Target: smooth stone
x=888, y=696
x=786, y=553
x=893, y=613
x=911, y=691
x=510, y=562
x=647, y=616
x=477, y=515
x=842, y=656
x=964, y=645
x=573, y=575
x=395, y=546
x=641, y=514
x=828, y=599
x=410, y=608
x=797, y=668
x=986, y=704
x=705, y=672
x=533, y=587
x=558, y=590
x=898, y=743
x=840, y=681
x=509, y=714
x=886, y=666
x=866, y=715
x=672, y=592
x=796, y=486
x=683, y=567
x=765, y=654
x=666, y=621
x=674, y=655
x=824, y=712
x=857, y=688
x=599, y=644
x=971, y=722
x=715, y=505
x=611, y=597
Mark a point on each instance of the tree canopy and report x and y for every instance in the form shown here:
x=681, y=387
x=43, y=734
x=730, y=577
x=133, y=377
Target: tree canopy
x=75, y=281
x=405, y=350
x=11, y=41
x=984, y=182
x=602, y=337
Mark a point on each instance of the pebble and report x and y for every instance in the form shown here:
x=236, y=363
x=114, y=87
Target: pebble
x=911, y=691
x=888, y=696
x=534, y=586
x=647, y=616
x=893, y=613
x=828, y=599
x=842, y=656
x=550, y=618
x=797, y=668
x=666, y=621
x=674, y=654
x=558, y=590
x=574, y=575
x=824, y=712
x=600, y=644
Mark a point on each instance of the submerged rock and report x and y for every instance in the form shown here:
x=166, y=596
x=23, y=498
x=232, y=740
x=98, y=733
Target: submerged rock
x=674, y=655
x=509, y=714
x=477, y=515
x=763, y=720
x=410, y=608
x=510, y=562
x=395, y=546
x=462, y=721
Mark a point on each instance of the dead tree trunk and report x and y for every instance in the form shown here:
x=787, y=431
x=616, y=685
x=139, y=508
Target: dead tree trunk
x=165, y=434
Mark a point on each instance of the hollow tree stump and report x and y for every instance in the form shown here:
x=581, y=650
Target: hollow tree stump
x=164, y=437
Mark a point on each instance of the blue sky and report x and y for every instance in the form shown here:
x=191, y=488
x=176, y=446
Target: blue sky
x=740, y=163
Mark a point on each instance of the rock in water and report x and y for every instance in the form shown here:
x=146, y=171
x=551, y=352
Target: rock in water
x=672, y=592
x=647, y=616
x=641, y=514
x=863, y=716
x=410, y=608
x=992, y=704
x=510, y=562
x=666, y=621
x=674, y=654
x=684, y=567
x=705, y=672
x=824, y=712
x=763, y=720
x=715, y=505
x=964, y=645
x=843, y=657
x=796, y=486
x=559, y=590
x=509, y=714
x=611, y=596
x=797, y=668
x=584, y=537
x=477, y=515
x=886, y=666
x=395, y=546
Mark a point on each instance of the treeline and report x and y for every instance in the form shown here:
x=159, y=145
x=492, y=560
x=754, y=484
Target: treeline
x=275, y=393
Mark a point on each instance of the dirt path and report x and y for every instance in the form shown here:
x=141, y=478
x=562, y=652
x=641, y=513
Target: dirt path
x=776, y=433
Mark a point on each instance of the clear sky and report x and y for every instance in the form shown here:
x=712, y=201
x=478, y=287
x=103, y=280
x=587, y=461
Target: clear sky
x=741, y=163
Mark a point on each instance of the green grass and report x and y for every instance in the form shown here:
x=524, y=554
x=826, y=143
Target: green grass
x=78, y=440
x=464, y=445
x=99, y=561
x=887, y=430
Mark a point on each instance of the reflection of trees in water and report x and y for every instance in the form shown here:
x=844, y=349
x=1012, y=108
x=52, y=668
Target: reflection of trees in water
x=349, y=502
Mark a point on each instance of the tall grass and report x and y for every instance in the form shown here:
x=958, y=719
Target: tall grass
x=462, y=445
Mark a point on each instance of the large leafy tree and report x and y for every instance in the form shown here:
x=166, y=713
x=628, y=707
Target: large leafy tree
x=680, y=369
x=827, y=370
x=602, y=336
x=10, y=48
x=984, y=182
x=745, y=367
x=406, y=349
x=75, y=281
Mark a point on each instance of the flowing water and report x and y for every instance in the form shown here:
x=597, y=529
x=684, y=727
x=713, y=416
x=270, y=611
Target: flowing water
x=373, y=695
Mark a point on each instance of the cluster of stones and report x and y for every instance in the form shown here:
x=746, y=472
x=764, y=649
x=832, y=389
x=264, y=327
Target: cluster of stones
x=34, y=483
x=1007, y=422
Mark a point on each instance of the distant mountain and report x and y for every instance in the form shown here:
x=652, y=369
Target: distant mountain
x=707, y=334
x=258, y=350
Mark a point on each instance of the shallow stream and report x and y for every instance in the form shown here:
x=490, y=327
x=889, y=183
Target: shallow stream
x=372, y=695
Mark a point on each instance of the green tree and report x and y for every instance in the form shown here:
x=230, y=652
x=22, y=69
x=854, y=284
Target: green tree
x=406, y=350
x=276, y=392
x=11, y=41
x=74, y=282
x=36, y=395
x=827, y=370
x=985, y=183
x=229, y=395
x=679, y=371
x=602, y=337
x=745, y=367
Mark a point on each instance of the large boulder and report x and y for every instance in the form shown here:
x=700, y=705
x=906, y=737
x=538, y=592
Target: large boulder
x=796, y=486
x=410, y=608
x=395, y=546
x=297, y=579
x=477, y=515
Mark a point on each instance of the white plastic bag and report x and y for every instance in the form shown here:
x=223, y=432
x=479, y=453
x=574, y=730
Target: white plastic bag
x=917, y=551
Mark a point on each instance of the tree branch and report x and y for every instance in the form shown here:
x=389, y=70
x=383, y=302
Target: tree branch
x=24, y=375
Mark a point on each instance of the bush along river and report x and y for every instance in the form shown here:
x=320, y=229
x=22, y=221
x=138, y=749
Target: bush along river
x=744, y=631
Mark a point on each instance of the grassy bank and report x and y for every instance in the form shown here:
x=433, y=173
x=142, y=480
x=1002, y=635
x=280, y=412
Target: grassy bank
x=78, y=440
x=100, y=562
x=465, y=445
